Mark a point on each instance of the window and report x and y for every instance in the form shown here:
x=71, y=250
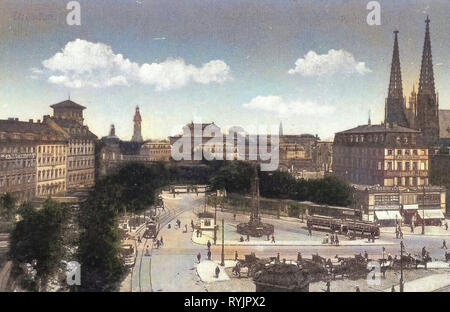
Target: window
x=389, y=152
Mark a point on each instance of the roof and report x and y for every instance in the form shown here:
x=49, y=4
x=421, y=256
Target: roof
x=67, y=104
x=75, y=129
x=41, y=130
x=379, y=129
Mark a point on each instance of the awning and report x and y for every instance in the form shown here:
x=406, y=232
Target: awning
x=411, y=207
x=431, y=214
x=388, y=215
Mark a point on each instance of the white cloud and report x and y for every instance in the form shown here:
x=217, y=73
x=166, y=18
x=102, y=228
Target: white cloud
x=334, y=62
x=82, y=63
x=276, y=104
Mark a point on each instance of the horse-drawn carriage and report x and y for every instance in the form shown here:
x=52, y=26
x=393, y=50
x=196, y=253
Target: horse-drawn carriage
x=251, y=264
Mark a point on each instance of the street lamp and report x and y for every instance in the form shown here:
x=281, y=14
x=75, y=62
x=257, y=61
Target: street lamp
x=223, y=243
x=215, y=224
x=423, y=211
x=401, y=266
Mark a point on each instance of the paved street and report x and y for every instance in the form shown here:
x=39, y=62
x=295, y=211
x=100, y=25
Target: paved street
x=173, y=267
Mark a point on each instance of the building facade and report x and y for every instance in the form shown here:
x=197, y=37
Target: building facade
x=32, y=159
x=68, y=119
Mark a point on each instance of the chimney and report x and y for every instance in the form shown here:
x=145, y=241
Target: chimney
x=38, y=121
x=16, y=119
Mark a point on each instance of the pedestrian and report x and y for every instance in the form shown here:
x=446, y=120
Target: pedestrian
x=168, y=226
x=373, y=237
x=157, y=243
x=396, y=232
x=444, y=245
x=217, y=271
x=147, y=252
x=235, y=255
x=336, y=240
x=299, y=257
x=357, y=289
x=209, y=254
x=401, y=234
x=332, y=239
x=268, y=237
x=309, y=230
x=234, y=216
x=278, y=257
x=241, y=239
x=366, y=255
x=412, y=227
x=197, y=232
x=393, y=288
x=273, y=238
x=208, y=244
x=162, y=241
x=139, y=239
x=248, y=238
x=199, y=256
x=328, y=286
x=185, y=228
x=424, y=252
x=446, y=225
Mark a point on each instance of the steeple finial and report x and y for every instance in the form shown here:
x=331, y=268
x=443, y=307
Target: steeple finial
x=370, y=121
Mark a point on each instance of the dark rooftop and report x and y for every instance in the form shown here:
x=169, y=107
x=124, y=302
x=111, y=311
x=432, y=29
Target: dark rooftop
x=67, y=104
x=380, y=129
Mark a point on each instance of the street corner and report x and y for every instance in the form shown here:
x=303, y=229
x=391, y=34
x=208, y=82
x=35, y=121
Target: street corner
x=206, y=270
x=202, y=239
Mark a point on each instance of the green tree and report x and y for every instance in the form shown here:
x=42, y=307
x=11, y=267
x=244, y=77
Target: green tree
x=39, y=236
x=7, y=206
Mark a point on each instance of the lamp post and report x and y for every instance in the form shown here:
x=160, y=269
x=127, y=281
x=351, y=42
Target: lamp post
x=423, y=211
x=222, y=263
x=401, y=266
x=215, y=223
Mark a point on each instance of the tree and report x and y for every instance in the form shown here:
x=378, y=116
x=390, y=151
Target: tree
x=7, y=206
x=234, y=177
x=39, y=236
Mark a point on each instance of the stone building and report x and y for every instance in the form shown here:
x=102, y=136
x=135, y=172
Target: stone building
x=385, y=155
x=68, y=119
x=156, y=150
x=405, y=205
x=32, y=159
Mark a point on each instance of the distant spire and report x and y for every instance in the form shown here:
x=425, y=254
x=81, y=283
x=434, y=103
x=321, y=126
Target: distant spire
x=280, y=130
x=69, y=95
x=370, y=121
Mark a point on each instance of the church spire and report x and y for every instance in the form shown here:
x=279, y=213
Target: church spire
x=395, y=104
x=280, y=130
x=395, y=83
x=427, y=102
x=137, y=136
x=426, y=82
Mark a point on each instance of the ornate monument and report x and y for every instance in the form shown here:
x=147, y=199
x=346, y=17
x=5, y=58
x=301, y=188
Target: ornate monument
x=255, y=227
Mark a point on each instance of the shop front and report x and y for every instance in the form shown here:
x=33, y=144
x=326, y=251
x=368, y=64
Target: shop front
x=409, y=213
x=388, y=218
x=431, y=216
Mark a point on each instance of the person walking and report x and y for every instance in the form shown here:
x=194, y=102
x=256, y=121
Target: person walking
x=273, y=238
x=366, y=255
x=278, y=257
x=444, y=244
x=209, y=254
x=217, y=271
x=336, y=240
x=393, y=288
x=199, y=256
x=328, y=287
x=208, y=244
x=309, y=230
x=162, y=241
x=235, y=255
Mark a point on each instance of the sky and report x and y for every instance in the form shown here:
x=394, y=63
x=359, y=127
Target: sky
x=315, y=65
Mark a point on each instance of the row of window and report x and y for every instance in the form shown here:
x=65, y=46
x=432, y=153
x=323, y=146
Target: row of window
x=18, y=179
x=51, y=160
x=81, y=163
x=17, y=149
x=17, y=164
x=51, y=188
x=52, y=149
x=81, y=177
x=81, y=150
x=51, y=174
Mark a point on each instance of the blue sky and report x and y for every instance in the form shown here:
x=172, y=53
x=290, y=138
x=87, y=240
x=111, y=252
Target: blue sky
x=223, y=61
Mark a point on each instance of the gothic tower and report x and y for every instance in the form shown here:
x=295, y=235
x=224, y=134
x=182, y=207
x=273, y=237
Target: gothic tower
x=411, y=108
x=427, y=101
x=137, y=137
x=280, y=129
x=395, y=103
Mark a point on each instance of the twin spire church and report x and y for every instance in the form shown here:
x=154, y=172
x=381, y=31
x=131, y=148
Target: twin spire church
x=422, y=111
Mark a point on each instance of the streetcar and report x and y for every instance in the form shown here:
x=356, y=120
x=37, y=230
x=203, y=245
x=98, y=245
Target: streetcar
x=341, y=225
